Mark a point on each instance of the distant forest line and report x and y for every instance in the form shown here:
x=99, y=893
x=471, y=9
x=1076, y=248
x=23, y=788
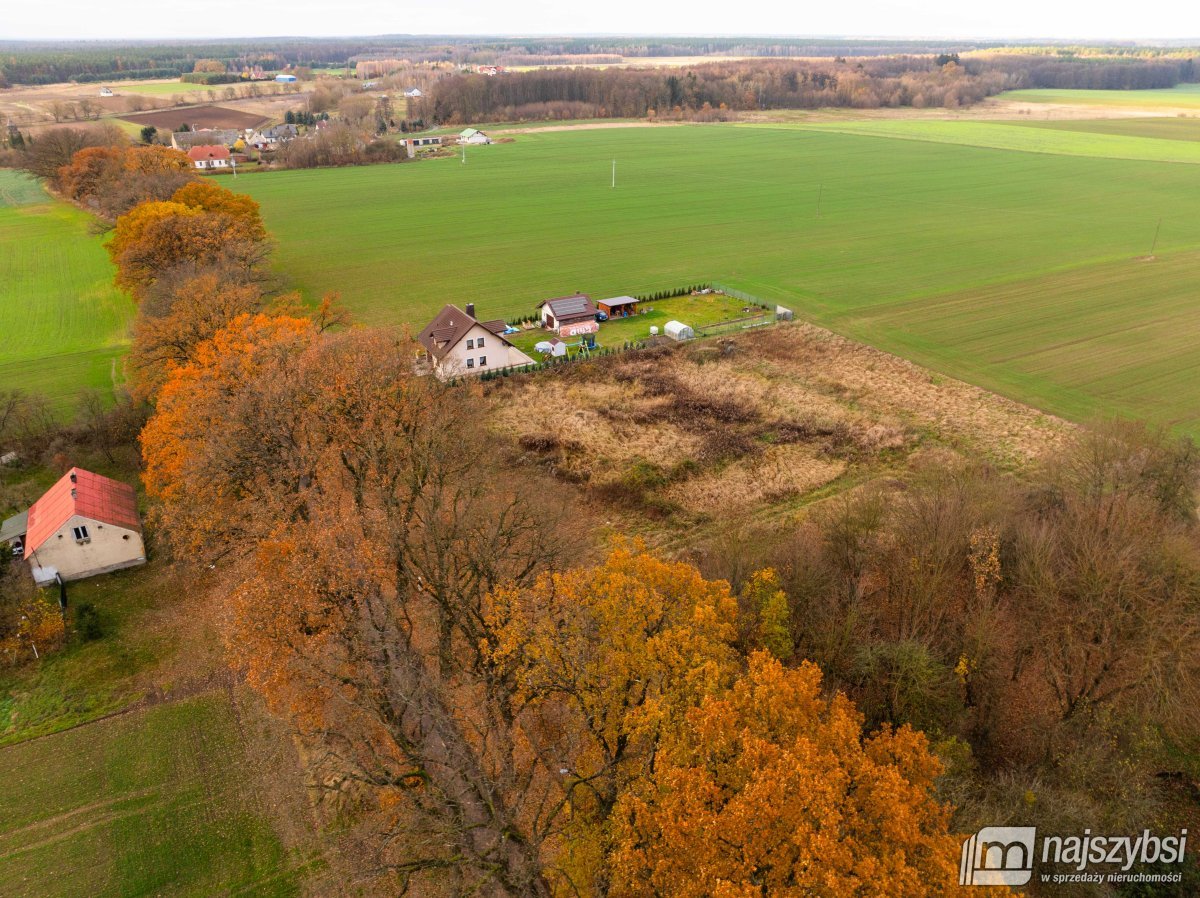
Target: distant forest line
x=710, y=90
x=1061, y=65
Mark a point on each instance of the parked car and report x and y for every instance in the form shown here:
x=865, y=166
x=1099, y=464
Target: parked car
x=601, y=316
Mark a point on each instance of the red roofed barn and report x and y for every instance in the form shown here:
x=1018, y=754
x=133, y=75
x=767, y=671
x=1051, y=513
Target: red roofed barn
x=84, y=525
x=209, y=156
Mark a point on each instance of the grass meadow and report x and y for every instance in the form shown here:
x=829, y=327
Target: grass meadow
x=152, y=802
x=63, y=324
x=873, y=236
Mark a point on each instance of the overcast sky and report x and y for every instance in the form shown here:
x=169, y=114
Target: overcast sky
x=1084, y=19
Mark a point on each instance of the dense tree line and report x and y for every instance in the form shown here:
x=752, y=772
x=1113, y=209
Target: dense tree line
x=944, y=80
x=27, y=62
x=743, y=85
x=1089, y=73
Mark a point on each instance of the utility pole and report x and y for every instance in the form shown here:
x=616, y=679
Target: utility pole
x=614, y=180
x=1154, y=243
x=820, y=190
x=464, y=158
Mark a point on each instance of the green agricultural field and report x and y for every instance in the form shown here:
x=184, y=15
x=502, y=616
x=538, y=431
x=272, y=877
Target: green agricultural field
x=152, y=802
x=63, y=323
x=158, y=88
x=903, y=226
x=1050, y=138
x=1183, y=96
x=1162, y=127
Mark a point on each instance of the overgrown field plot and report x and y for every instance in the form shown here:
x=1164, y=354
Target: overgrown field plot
x=842, y=227
x=704, y=436
x=62, y=323
x=152, y=802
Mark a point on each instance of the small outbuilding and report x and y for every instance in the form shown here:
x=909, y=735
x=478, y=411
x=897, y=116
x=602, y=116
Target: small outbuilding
x=414, y=93
x=416, y=145
x=574, y=309
x=285, y=78
x=618, y=306
x=677, y=330
x=84, y=525
x=473, y=136
x=12, y=534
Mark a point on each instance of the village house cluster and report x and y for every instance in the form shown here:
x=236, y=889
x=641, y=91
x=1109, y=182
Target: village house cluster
x=218, y=148
x=456, y=343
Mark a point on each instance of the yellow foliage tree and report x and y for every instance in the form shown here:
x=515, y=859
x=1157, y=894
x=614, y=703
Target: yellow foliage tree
x=210, y=197
x=771, y=790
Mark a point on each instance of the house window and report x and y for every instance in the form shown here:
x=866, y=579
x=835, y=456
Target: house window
x=470, y=344
x=479, y=343
x=482, y=360
x=81, y=533
x=470, y=363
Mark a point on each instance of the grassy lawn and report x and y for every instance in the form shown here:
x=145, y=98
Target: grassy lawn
x=697, y=311
x=86, y=680
x=904, y=226
x=149, y=803
x=64, y=324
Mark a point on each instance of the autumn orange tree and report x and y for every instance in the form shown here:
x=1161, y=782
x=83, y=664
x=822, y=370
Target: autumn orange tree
x=202, y=225
x=112, y=179
x=179, y=318
x=772, y=790
x=325, y=467
x=600, y=661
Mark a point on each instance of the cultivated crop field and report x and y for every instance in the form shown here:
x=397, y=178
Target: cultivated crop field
x=199, y=116
x=1182, y=96
x=871, y=233
x=152, y=802
x=62, y=322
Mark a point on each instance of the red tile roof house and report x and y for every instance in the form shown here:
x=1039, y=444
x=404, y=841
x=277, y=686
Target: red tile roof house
x=84, y=525
x=209, y=156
